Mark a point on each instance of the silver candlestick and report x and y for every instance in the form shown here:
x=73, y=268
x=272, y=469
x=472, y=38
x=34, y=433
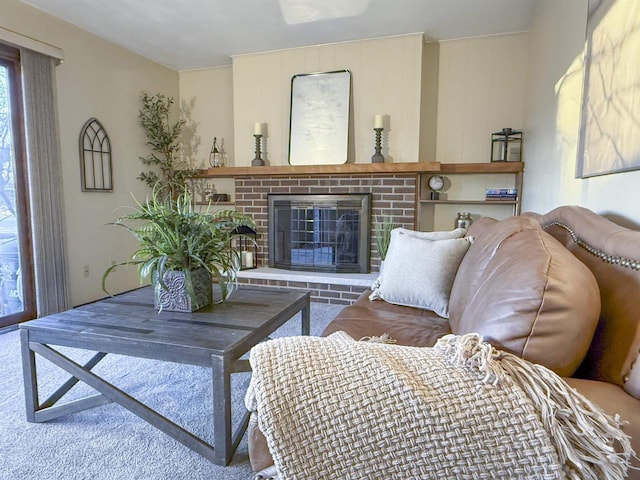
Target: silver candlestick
x=378, y=157
x=258, y=161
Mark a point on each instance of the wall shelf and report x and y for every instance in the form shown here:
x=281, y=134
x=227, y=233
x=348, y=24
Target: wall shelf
x=472, y=202
x=469, y=181
x=366, y=168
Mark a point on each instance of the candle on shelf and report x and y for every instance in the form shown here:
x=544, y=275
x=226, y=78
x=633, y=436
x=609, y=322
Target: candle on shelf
x=257, y=128
x=247, y=259
x=378, y=121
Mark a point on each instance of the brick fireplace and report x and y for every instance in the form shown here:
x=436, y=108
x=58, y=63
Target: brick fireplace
x=391, y=194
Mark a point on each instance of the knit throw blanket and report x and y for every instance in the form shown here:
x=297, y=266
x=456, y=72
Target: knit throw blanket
x=338, y=408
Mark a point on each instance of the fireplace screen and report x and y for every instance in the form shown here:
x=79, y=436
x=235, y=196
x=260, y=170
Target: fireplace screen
x=323, y=233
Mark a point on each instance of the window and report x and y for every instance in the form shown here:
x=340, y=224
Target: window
x=17, y=300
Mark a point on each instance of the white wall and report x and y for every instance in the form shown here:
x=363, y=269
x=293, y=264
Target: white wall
x=553, y=118
x=97, y=79
x=481, y=89
x=386, y=79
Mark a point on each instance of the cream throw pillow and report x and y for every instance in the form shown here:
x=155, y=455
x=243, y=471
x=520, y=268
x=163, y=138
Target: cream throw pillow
x=419, y=273
x=457, y=233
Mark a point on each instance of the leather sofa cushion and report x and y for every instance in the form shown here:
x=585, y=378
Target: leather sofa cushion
x=406, y=325
x=525, y=293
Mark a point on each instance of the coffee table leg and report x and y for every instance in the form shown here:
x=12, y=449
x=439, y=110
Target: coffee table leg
x=30, y=378
x=306, y=319
x=221, y=372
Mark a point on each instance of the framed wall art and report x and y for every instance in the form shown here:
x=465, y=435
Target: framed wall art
x=609, y=139
x=319, y=120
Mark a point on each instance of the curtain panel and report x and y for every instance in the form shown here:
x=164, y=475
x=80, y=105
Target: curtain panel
x=44, y=161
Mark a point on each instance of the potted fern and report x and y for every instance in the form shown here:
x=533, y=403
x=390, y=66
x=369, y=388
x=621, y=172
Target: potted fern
x=182, y=249
x=383, y=228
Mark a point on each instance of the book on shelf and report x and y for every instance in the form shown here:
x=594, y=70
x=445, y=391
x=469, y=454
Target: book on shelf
x=501, y=194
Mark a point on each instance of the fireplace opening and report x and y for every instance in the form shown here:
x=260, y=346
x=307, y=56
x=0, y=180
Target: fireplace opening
x=322, y=233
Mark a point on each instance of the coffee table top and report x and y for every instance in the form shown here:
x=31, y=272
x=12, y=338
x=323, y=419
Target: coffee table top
x=128, y=324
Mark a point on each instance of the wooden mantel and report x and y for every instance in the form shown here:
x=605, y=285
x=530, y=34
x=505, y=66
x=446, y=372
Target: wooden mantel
x=367, y=168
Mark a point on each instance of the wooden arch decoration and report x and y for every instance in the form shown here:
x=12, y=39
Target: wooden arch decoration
x=95, y=158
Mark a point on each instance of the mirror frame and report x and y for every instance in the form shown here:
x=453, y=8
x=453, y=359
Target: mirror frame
x=319, y=118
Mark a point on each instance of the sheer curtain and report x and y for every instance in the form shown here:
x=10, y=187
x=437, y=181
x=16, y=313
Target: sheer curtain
x=45, y=182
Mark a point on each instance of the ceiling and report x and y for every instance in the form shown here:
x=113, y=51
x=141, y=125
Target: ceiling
x=189, y=34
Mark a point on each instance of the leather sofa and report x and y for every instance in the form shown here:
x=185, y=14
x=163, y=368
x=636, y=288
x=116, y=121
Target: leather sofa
x=561, y=289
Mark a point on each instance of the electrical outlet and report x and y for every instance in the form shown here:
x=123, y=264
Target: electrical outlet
x=85, y=271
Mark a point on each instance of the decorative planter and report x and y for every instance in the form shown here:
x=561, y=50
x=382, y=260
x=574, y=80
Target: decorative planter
x=175, y=298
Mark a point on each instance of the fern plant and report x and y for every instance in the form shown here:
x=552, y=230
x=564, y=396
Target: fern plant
x=172, y=235
x=163, y=136
x=383, y=230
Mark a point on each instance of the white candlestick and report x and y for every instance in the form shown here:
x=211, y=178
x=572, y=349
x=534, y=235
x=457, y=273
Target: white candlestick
x=257, y=128
x=378, y=121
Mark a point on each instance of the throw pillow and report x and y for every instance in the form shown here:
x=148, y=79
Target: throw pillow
x=419, y=273
x=457, y=233
x=441, y=235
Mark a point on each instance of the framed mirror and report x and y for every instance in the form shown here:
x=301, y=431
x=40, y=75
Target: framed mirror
x=319, y=120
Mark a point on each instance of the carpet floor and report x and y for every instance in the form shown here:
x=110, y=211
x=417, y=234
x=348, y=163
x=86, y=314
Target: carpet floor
x=109, y=442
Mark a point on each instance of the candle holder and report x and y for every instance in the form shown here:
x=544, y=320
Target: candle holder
x=378, y=157
x=244, y=241
x=258, y=161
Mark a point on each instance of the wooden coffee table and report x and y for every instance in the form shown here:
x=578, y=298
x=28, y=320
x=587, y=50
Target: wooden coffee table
x=215, y=337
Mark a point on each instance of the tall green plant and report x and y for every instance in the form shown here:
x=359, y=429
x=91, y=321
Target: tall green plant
x=163, y=136
x=382, y=228
x=172, y=235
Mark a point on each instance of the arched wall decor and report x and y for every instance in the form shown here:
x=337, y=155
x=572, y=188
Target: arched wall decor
x=95, y=158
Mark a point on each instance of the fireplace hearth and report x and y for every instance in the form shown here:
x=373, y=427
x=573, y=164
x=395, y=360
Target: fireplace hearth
x=321, y=233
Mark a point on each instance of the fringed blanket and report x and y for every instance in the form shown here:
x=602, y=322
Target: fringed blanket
x=337, y=408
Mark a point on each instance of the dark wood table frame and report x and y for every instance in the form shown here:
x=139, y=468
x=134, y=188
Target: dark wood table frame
x=127, y=324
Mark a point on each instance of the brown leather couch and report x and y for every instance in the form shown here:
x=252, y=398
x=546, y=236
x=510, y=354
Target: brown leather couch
x=561, y=289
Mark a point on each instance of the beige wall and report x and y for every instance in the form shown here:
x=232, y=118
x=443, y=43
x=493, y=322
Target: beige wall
x=553, y=119
x=207, y=96
x=429, y=101
x=481, y=89
x=97, y=79
x=386, y=79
